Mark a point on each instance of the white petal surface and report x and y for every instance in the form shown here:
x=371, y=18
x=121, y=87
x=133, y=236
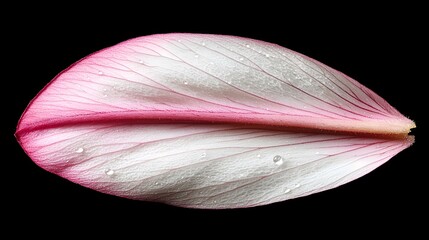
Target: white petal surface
x=206, y=166
x=212, y=78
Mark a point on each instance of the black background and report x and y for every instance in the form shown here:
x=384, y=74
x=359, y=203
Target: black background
x=383, y=48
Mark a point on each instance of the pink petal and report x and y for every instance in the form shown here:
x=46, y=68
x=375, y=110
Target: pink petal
x=199, y=121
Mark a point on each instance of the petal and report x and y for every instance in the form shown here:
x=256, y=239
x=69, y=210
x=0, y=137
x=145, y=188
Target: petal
x=206, y=121
x=206, y=166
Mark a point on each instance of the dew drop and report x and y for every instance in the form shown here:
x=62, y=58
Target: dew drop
x=79, y=150
x=100, y=73
x=203, y=43
x=267, y=55
x=140, y=61
x=287, y=190
x=196, y=56
x=258, y=156
x=156, y=183
x=241, y=59
x=247, y=45
x=214, y=201
x=185, y=82
x=109, y=172
x=204, y=154
x=297, y=185
x=278, y=160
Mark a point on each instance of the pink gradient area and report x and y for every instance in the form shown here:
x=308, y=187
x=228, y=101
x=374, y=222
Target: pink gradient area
x=205, y=165
x=211, y=78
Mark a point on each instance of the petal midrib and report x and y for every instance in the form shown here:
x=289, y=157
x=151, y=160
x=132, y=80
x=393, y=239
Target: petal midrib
x=390, y=127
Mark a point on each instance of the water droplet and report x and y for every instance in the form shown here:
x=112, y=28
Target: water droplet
x=156, y=183
x=109, y=172
x=203, y=43
x=317, y=152
x=287, y=190
x=247, y=45
x=204, y=154
x=258, y=156
x=278, y=160
x=214, y=201
x=140, y=61
x=267, y=55
x=241, y=59
x=196, y=56
x=179, y=40
x=297, y=185
x=100, y=73
x=185, y=82
x=79, y=150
